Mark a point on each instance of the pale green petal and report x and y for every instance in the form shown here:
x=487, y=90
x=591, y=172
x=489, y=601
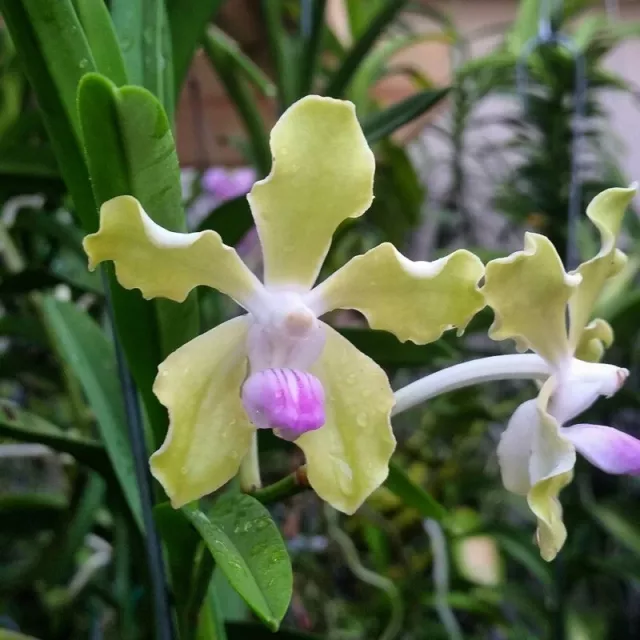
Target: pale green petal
x=606, y=212
x=595, y=338
x=528, y=292
x=209, y=431
x=322, y=175
x=348, y=458
x=416, y=301
x=551, y=469
x=163, y=263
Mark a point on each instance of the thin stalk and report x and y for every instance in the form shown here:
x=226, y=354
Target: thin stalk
x=294, y=483
x=162, y=609
x=250, y=468
x=465, y=374
x=200, y=581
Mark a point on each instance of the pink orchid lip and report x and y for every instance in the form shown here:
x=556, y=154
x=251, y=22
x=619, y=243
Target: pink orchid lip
x=287, y=400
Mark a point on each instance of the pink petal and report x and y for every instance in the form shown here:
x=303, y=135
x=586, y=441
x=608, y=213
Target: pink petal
x=288, y=400
x=609, y=449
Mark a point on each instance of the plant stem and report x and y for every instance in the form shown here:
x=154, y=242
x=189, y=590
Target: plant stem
x=465, y=374
x=250, y=468
x=294, y=483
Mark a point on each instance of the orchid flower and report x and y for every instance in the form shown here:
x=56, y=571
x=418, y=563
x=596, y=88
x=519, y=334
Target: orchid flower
x=279, y=366
x=227, y=184
x=532, y=296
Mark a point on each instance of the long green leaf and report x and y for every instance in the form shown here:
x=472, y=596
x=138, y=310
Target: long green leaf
x=227, y=67
x=89, y=354
x=311, y=45
x=411, y=494
x=27, y=427
x=98, y=28
x=54, y=53
x=340, y=80
x=187, y=22
x=248, y=548
x=386, y=122
x=130, y=150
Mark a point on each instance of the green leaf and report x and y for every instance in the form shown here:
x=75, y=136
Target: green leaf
x=411, y=494
x=226, y=62
x=188, y=20
x=13, y=635
x=232, y=220
x=143, y=32
x=130, y=150
x=248, y=548
x=55, y=54
x=341, y=78
x=619, y=523
x=386, y=122
x=311, y=46
x=27, y=427
x=89, y=354
x=98, y=28
x=24, y=513
x=388, y=351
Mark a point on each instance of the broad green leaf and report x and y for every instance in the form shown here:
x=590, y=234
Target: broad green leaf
x=386, y=122
x=227, y=64
x=55, y=54
x=187, y=23
x=411, y=494
x=98, y=28
x=130, y=150
x=248, y=548
x=89, y=354
x=27, y=427
x=143, y=31
x=340, y=79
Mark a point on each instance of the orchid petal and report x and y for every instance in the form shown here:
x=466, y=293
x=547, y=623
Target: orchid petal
x=322, y=174
x=608, y=449
x=595, y=338
x=209, y=431
x=348, y=458
x=514, y=449
x=416, y=301
x=162, y=263
x=606, y=212
x=551, y=469
x=528, y=292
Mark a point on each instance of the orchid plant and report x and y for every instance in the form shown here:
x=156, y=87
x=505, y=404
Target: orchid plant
x=279, y=366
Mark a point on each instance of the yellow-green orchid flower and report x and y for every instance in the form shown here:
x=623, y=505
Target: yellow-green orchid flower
x=531, y=296
x=279, y=366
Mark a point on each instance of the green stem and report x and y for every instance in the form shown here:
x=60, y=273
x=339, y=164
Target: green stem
x=200, y=581
x=250, y=468
x=293, y=484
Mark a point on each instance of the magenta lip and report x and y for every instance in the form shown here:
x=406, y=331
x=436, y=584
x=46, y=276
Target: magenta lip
x=289, y=401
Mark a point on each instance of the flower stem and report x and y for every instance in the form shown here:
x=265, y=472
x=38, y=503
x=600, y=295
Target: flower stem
x=250, y=468
x=465, y=374
x=294, y=483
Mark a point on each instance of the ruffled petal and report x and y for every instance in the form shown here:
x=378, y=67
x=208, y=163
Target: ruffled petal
x=514, y=449
x=550, y=469
x=608, y=449
x=595, y=338
x=348, y=458
x=209, y=431
x=416, y=301
x=322, y=174
x=606, y=212
x=163, y=263
x=528, y=292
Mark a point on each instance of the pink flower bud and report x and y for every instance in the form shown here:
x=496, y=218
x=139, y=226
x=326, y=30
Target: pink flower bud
x=287, y=400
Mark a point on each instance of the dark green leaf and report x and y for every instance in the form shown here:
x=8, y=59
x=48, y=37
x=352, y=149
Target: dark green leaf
x=24, y=513
x=232, y=220
x=248, y=548
x=89, y=354
x=311, y=35
x=386, y=122
x=25, y=327
x=98, y=28
x=411, y=494
x=187, y=22
x=340, y=80
x=245, y=630
x=27, y=427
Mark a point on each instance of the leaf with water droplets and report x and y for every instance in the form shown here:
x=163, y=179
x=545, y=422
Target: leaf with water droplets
x=250, y=551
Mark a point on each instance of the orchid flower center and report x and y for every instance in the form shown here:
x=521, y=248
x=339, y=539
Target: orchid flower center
x=284, y=341
x=581, y=383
